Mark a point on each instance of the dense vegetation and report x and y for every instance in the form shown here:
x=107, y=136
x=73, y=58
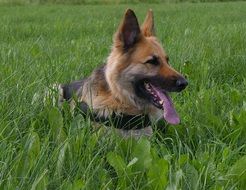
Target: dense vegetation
x=40, y=148
x=83, y=2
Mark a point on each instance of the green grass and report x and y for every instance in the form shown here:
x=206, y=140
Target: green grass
x=86, y=2
x=41, y=149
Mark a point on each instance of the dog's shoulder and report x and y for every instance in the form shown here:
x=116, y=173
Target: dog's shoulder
x=70, y=89
x=97, y=80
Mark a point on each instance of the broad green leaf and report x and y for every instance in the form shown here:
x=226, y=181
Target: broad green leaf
x=56, y=124
x=191, y=176
x=30, y=153
x=61, y=158
x=116, y=162
x=142, y=152
x=158, y=174
x=119, y=165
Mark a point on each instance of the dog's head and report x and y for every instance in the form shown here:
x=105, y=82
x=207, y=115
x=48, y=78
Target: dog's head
x=138, y=68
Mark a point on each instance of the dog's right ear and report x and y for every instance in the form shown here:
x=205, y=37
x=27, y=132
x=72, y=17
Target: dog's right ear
x=148, y=27
x=129, y=32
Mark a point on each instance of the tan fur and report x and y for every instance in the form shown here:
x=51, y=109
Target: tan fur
x=148, y=27
x=121, y=67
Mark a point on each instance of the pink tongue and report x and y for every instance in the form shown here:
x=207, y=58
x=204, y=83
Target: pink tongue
x=170, y=114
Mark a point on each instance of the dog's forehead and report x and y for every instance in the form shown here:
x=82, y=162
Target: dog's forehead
x=156, y=46
x=149, y=47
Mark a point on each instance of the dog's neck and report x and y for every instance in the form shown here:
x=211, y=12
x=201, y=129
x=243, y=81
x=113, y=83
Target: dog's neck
x=105, y=96
x=120, y=90
x=120, y=121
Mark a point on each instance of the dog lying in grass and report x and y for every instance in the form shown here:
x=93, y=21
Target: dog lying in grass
x=132, y=88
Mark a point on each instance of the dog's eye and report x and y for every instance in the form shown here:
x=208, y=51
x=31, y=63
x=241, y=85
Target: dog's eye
x=153, y=61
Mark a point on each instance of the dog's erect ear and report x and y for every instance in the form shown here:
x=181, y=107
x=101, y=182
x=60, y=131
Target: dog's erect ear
x=129, y=31
x=148, y=27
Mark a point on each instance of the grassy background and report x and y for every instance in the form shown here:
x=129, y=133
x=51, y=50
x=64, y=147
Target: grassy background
x=40, y=149
x=78, y=2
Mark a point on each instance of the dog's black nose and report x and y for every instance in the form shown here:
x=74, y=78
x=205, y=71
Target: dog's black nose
x=181, y=83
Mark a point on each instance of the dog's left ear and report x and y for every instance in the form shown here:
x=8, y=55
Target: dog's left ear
x=148, y=28
x=129, y=32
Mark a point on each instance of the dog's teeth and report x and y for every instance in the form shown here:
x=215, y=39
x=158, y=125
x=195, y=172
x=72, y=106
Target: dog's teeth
x=147, y=85
x=161, y=102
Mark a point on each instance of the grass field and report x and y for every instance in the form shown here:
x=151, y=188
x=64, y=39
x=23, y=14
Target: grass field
x=41, y=149
x=98, y=2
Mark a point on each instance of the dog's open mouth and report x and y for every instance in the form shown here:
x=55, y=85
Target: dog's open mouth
x=162, y=100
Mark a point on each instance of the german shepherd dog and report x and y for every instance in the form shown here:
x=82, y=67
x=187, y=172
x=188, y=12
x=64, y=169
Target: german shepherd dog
x=135, y=82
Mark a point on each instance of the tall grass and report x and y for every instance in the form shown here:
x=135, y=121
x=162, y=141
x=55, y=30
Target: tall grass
x=44, y=148
x=78, y=2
